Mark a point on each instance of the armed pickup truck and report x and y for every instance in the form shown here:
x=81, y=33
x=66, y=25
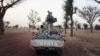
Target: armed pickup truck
x=52, y=41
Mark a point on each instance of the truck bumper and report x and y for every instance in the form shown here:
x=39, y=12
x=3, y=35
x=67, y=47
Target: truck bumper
x=47, y=48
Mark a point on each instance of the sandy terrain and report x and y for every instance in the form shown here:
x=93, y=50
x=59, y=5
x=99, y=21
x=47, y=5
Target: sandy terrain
x=9, y=32
x=83, y=43
x=89, y=41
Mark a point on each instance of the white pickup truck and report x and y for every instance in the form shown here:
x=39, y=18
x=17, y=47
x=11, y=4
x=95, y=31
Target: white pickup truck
x=52, y=41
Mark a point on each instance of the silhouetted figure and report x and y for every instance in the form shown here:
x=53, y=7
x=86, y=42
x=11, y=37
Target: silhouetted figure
x=42, y=27
x=50, y=20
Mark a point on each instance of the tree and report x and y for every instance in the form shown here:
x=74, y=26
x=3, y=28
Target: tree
x=98, y=1
x=16, y=26
x=79, y=26
x=85, y=26
x=6, y=23
x=66, y=23
x=30, y=26
x=33, y=18
x=99, y=20
x=90, y=14
x=4, y=6
x=65, y=26
x=68, y=8
x=97, y=27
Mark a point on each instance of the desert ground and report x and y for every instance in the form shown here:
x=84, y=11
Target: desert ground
x=88, y=41
x=83, y=43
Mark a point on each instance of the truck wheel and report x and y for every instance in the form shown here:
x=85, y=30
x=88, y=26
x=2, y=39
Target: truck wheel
x=60, y=52
x=36, y=51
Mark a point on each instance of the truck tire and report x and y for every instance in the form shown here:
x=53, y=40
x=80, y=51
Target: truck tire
x=60, y=52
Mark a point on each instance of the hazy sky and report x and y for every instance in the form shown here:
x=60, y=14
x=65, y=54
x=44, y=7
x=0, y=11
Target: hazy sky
x=18, y=14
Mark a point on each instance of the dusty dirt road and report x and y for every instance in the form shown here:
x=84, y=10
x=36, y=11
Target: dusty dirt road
x=19, y=45
x=16, y=46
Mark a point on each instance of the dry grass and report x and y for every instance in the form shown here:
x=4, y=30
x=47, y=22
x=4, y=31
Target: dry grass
x=10, y=32
x=89, y=41
x=83, y=43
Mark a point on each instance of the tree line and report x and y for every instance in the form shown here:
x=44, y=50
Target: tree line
x=4, y=6
x=89, y=13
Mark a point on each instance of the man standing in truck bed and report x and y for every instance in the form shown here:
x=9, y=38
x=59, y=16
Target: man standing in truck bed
x=50, y=20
